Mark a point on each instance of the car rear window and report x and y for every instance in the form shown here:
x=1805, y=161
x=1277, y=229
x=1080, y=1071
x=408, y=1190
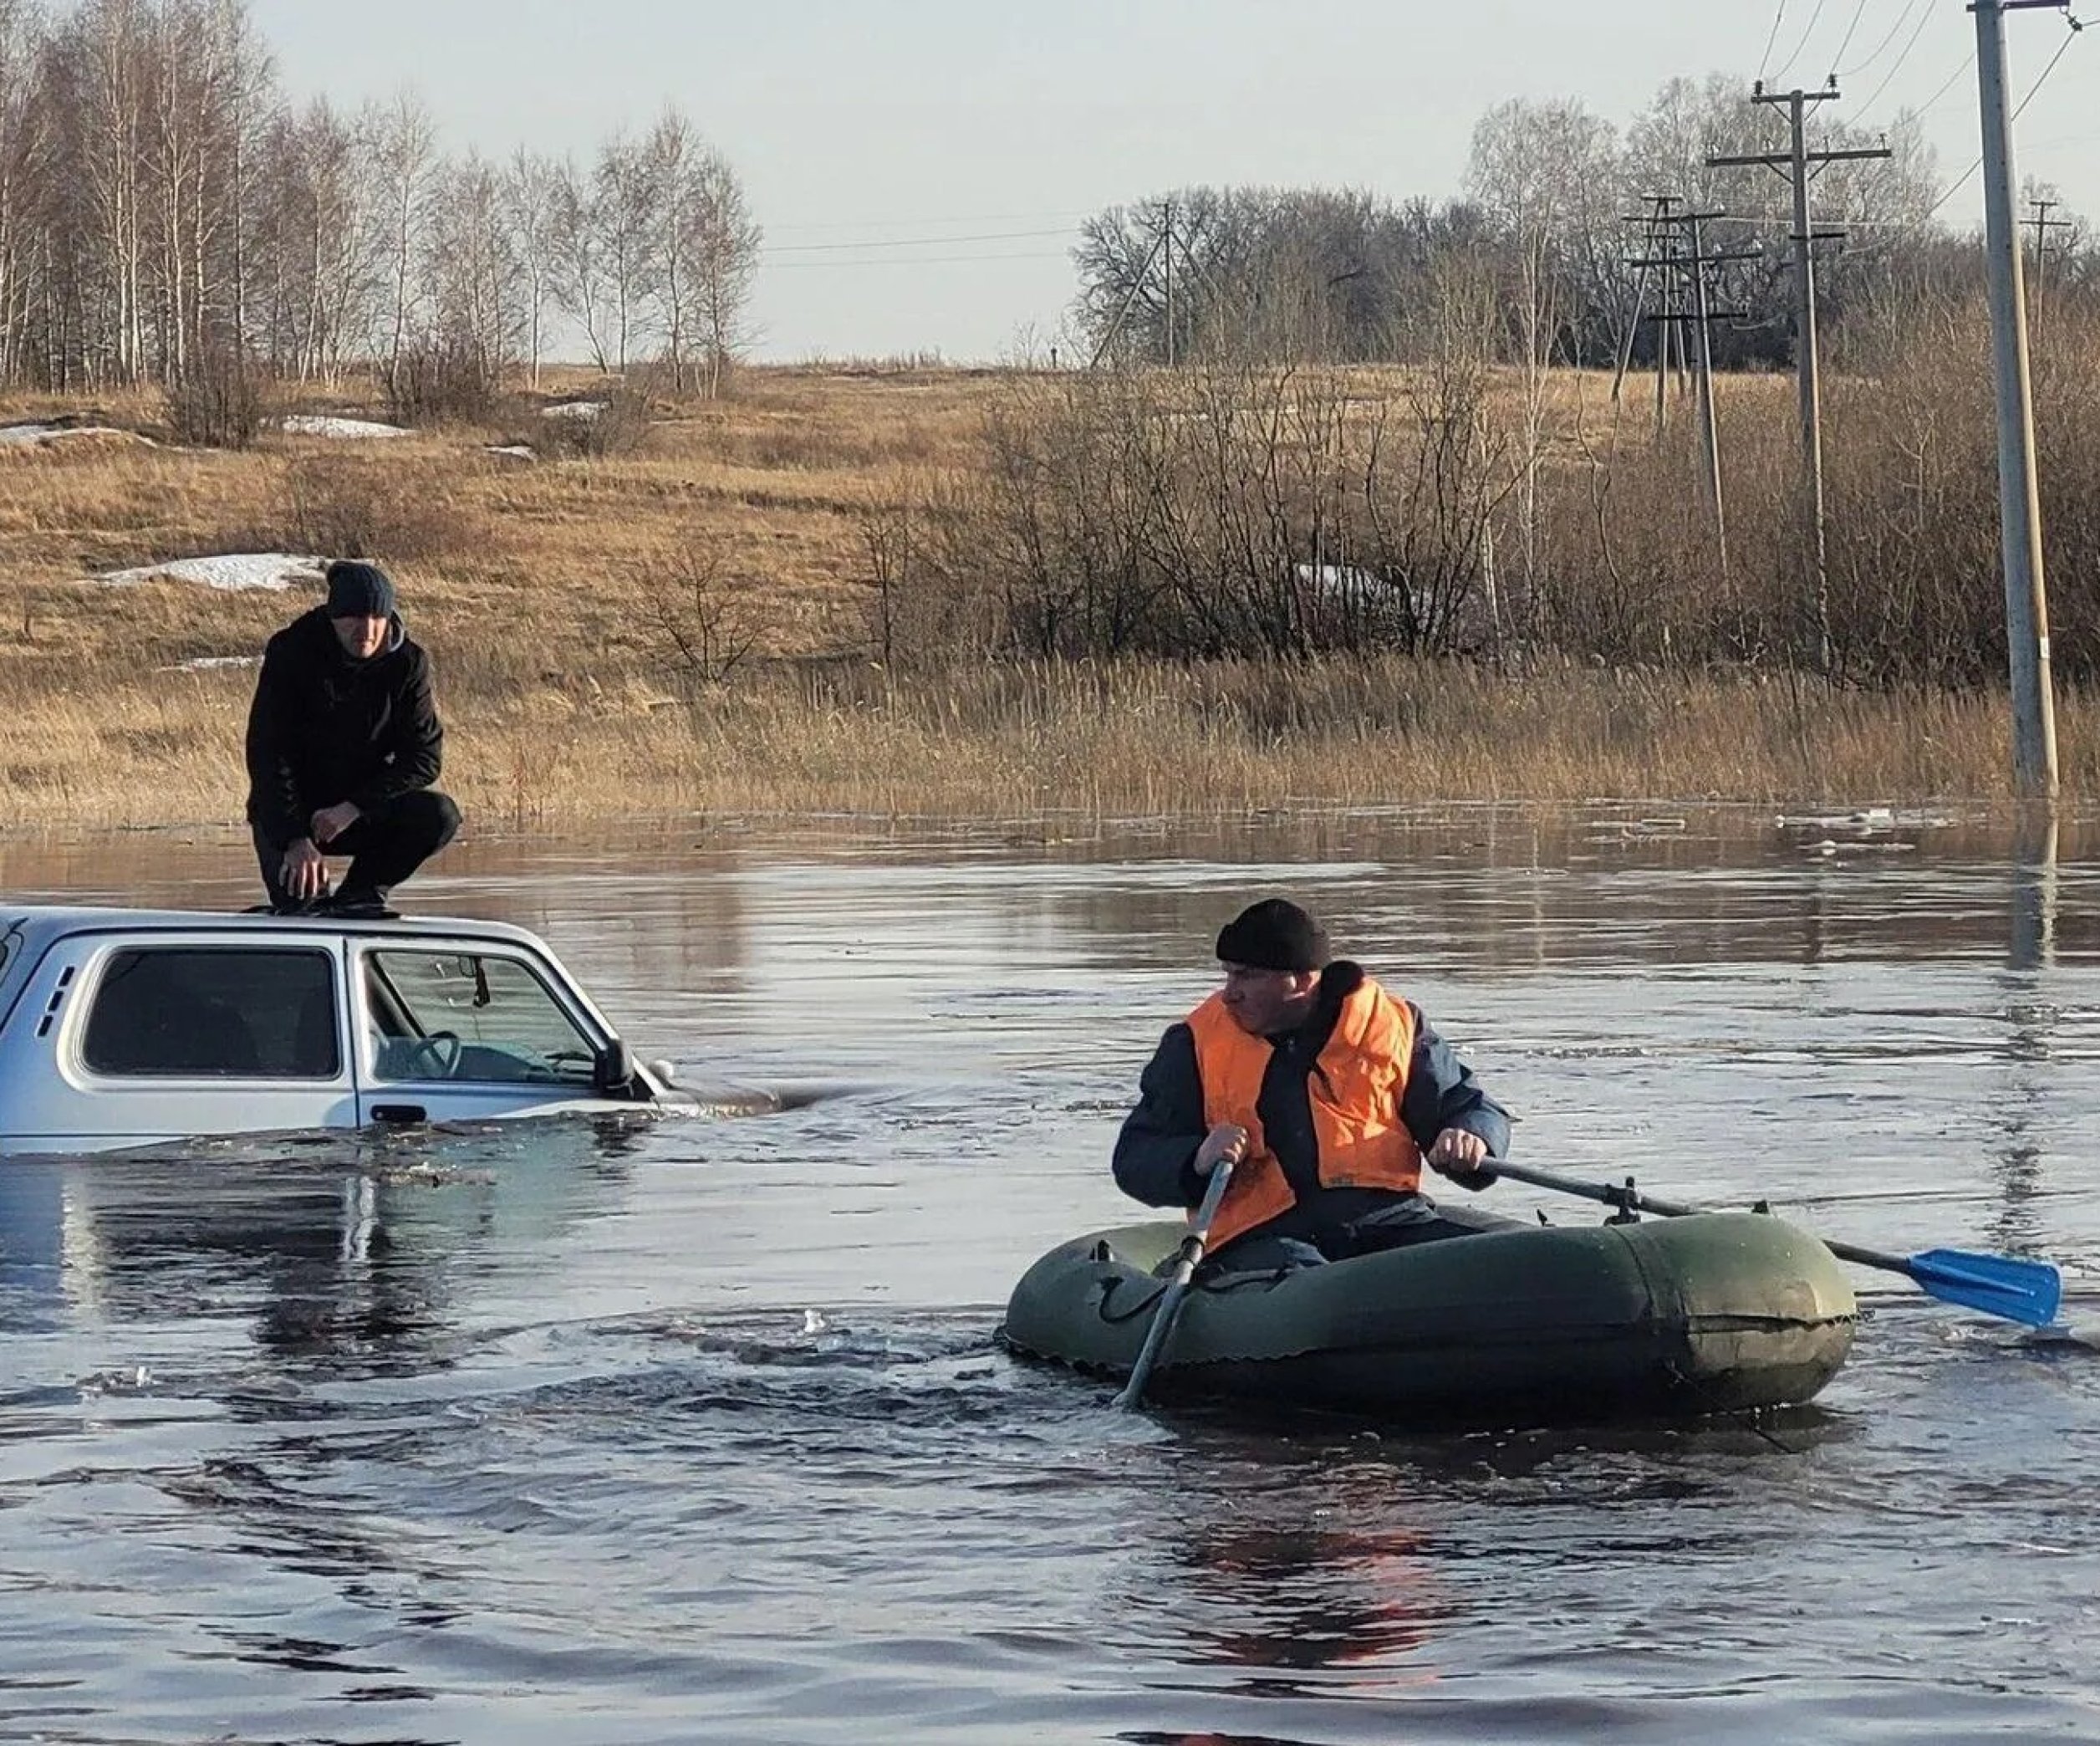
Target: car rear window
x=232, y=1012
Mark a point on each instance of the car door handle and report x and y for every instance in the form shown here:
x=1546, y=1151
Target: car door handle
x=399, y=1113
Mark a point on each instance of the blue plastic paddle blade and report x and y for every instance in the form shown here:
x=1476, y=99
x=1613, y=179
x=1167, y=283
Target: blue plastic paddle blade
x=2021, y=1291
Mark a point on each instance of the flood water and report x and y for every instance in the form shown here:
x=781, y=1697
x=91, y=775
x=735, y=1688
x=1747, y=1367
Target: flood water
x=698, y=1432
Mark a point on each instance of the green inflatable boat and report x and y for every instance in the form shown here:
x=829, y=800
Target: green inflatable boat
x=1719, y=1312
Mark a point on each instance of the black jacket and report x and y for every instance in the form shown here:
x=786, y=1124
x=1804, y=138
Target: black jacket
x=1159, y=1138
x=325, y=728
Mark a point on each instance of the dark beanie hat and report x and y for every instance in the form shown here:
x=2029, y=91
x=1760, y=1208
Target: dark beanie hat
x=358, y=590
x=1274, y=934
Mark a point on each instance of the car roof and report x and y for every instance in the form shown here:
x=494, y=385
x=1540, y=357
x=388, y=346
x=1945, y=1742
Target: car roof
x=44, y=922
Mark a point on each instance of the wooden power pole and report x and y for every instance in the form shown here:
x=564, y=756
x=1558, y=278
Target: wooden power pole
x=2042, y=224
x=1799, y=166
x=1692, y=260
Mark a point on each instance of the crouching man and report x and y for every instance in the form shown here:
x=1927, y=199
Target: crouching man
x=343, y=745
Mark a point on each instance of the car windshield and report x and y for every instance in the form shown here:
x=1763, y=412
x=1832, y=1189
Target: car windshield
x=454, y=1015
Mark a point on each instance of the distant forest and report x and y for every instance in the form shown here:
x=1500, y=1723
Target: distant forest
x=166, y=215
x=1318, y=275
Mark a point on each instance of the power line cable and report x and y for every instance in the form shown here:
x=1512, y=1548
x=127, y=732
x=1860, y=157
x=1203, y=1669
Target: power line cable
x=1924, y=17
x=924, y=221
x=1880, y=47
x=1858, y=12
x=913, y=261
x=1765, y=59
x=1814, y=18
x=2040, y=80
x=910, y=241
x=1947, y=85
x=1905, y=229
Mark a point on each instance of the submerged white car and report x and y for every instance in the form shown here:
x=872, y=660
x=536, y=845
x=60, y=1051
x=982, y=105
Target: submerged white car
x=122, y=1028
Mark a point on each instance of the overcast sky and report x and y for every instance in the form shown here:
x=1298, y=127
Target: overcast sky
x=920, y=165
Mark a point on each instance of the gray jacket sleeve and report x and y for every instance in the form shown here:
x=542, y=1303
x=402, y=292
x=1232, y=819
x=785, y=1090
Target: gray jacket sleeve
x=1442, y=1093
x=1160, y=1136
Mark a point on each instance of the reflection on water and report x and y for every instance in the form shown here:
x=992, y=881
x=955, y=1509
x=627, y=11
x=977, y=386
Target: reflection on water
x=693, y=1429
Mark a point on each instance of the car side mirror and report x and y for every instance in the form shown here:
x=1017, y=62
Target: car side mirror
x=613, y=1071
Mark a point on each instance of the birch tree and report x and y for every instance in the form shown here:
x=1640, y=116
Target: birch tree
x=531, y=195
x=724, y=241
x=626, y=196
x=403, y=142
x=21, y=164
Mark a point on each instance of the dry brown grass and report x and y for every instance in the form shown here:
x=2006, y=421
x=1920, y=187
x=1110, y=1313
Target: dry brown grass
x=538, y=587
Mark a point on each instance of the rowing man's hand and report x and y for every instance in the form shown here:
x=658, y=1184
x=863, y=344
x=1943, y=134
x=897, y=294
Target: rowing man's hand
x=1460, y=1155
x=1227, y=1139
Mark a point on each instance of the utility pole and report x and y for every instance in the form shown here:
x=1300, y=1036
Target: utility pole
x=1130, y=297
x=1666, y=312
x=2034, y=727
x=2043, y=224
x=1799, y=164
x=1651, y=240
x=1692, y=261
x=1167, y=261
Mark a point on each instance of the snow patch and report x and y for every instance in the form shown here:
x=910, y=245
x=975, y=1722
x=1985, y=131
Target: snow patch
x=231, y=571
x=327, y=424
x=212, y=663
x=574, y=409
x=42, y=436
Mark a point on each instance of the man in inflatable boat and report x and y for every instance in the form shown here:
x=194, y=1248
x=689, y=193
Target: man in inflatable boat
x=1328, y=1094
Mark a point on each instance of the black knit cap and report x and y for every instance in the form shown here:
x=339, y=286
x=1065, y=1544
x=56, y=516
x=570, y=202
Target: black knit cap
x=1274, y=934
x=358, y=590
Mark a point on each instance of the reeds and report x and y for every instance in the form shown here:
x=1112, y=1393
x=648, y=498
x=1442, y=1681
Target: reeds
x=1122, y=737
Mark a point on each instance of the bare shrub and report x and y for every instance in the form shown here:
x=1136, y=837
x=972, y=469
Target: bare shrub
x=1452, y=508
x=615, y=422
x=220, y=401
x=1250, y=509
x=345, y=508
x=443, y=379
x=705, y=627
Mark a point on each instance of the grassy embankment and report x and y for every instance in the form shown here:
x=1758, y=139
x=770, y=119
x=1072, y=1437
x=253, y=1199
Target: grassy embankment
x=550, y=593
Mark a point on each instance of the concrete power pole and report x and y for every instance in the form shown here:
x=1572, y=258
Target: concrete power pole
x=1799, y=164
x=2034, y=727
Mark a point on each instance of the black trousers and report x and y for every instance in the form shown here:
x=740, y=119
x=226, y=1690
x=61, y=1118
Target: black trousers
x=1403, y=1220
x=385, y=845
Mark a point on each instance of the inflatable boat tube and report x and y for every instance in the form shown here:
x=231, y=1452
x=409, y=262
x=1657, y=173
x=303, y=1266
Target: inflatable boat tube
x=1720, y=1312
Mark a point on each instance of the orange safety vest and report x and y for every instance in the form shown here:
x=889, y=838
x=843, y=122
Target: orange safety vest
x=1355, y=1093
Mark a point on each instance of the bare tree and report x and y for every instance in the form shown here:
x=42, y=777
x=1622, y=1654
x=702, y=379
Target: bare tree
x=402, y=138
x=723, y=240
x=626, y=204
x=1546, y=177
x=579, y=282
x=471, y=267
x=669, y=156
x=102, y=60
x=324, y=282
x=531, y=190
x=21, y=138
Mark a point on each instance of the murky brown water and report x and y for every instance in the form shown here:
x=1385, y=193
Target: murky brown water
x=558, y=1434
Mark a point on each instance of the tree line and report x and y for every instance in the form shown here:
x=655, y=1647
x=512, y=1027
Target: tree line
x=166, y=212
x=1330, y=276
x=1374, y=442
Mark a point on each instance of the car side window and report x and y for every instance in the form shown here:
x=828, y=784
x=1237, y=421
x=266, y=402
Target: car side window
x=468, y=1015
x=225, y=1011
